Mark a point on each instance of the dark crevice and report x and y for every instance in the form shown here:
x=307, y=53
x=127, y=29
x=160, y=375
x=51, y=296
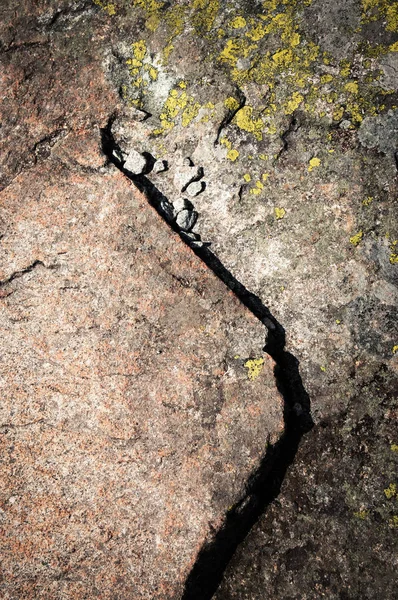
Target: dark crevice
x=292, y=128
x=18, y=274
x=265, y=484
x=231, y=114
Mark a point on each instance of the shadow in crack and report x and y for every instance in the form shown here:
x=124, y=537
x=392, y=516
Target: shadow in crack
x=265, y=484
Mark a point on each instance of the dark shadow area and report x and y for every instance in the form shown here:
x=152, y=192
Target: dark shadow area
x=265, y=484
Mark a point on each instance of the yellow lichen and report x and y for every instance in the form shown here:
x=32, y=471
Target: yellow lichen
x=367, y=201
x=361, y=514
x=231, y=103
x=139, y=50
x=245, y=121
x=326, y=79
x=257, y=189
x=238, y=23
x=391, y=491
x=351, y=87
x=293, y=103
x=232, y=155
x=394, y=447
x=283, y=57
x=226, y=142
x=108, y=7
x=395, y=349
x=247, y=177
x=279, y=213
x=355, y=239
x=204, y=15
x=254, y=366
x=394, y=252
x=314, y=162
x=394, y=521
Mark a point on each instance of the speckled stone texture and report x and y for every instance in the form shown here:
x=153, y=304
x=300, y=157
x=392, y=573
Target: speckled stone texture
x=128, y=422
x=289, y=110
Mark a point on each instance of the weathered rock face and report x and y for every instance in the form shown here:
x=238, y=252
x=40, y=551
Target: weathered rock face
x=278, y=121
x=332, y=532
x=129, y=423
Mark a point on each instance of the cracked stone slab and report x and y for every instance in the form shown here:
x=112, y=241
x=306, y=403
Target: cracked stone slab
x=129, y=422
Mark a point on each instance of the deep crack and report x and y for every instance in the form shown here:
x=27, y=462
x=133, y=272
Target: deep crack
x=230, y=115
x=265, y=484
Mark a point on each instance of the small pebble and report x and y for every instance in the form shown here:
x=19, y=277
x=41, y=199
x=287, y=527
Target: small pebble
x=160, y=166
x=185, y=175
x=135, y=163
x=186, y=219
x=195, y=188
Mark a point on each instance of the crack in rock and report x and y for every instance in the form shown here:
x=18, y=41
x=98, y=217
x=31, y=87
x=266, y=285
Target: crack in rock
x=227, y=120
x=265, y=484
x=22, y=272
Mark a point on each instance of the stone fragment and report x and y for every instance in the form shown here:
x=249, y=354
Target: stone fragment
x=186, y=219
x=159, y=166
x=135, y=163
x=167, y=210
x=195, y=188
x=380, y=132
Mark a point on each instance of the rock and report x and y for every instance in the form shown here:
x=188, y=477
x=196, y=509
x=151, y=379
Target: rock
x=186, y=219
x=84, y=480
x=135, y=163
x=340, y=491
x=126, y=406
x=195, y=188
x=181, y=204
x=167, y=210
x=159, y=166
x=380, y=132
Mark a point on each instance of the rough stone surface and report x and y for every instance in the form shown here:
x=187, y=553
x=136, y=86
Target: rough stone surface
x=332, y=532
x=288, y=113
x=128, y=422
